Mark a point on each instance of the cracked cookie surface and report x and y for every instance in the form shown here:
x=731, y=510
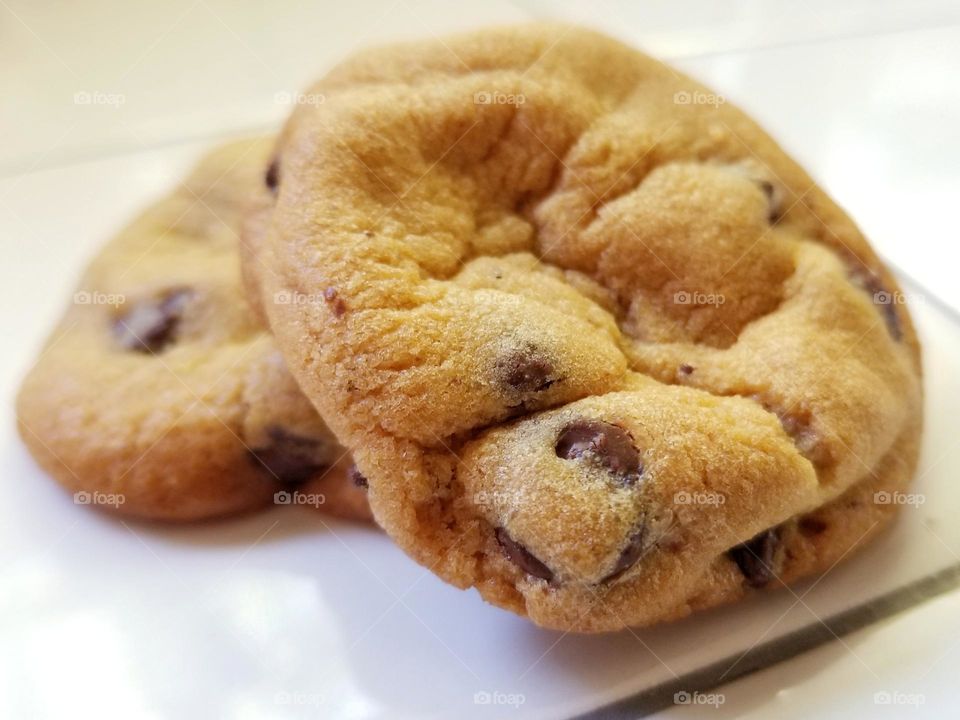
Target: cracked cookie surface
x=605, y=355
x=159, y=391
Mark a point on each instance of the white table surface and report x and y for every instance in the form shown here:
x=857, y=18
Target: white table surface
x=101, y=619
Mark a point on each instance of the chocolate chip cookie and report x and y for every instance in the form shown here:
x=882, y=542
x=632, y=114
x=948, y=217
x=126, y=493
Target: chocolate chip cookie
x=605, y=352
x=160, y=395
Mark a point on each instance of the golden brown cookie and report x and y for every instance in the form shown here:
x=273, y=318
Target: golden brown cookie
x=160, y=395
x=603, y=350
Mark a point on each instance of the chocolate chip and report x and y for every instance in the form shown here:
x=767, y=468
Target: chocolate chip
x=272, y=176
x=686, y=369
x=637, y=545
x=150, y=326
x=521, y=557
x=526, y=370
x=812, y=526
x=882, y=298
x=808, y=441
x=289, y=457
x=772, y=191
x=893, y=322
x=337, y=305
x=756, y=557
x=597, y=441
x=774, y=200
x=799, y=426
x=356, y=477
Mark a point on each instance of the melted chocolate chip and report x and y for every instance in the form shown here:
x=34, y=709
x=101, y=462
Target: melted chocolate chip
x=637, y=544
x=774, y=200
x=811, y=526
x=882, y=298
x=357, y=478
x=808, y=441
x=290, y=457
x=521, y=557
x=756, y=557
x=597, y=441
x=526, y=370
x=893, y=322
x=150, y=326
x=686, y=369
x=336, y=303
x=272, y=177
x=799, y=426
